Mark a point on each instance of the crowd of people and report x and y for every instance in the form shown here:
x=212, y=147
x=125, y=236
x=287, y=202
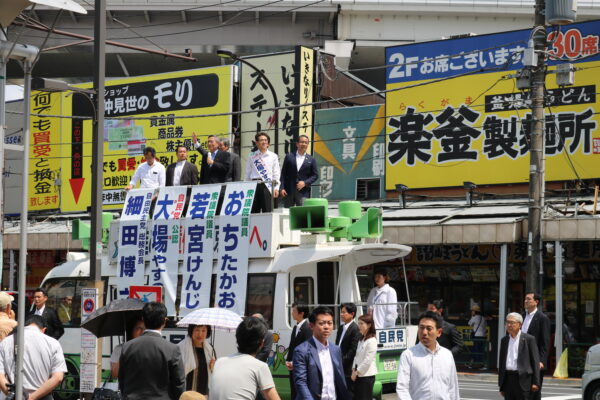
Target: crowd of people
x=292, y=181
x=320, y=367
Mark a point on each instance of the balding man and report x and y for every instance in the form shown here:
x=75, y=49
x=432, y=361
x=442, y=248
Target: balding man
x=215, y=163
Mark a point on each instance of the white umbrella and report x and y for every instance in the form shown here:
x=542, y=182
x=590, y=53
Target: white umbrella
x=219, y=318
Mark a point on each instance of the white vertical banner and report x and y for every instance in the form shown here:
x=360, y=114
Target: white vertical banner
x=133, y=231
x=233, y=247
x=166, y=235
x=198, y=252
x=89, y=344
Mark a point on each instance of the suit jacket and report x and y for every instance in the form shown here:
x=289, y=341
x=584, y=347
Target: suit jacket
x=539, y=328
x=235, y=169
x=528, y=362
x=308, y=376
x=189, y=174
x=451, y=338
x=290, y=175
x=297, y=339
x=348, y=346
x=54, y=327
x=217, y=173
x=263, y=353
x=150, y=368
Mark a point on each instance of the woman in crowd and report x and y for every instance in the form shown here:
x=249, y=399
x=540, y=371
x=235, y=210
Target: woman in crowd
x=364, y=368
x=198, y=358
x=135, y=328
x=382, y=301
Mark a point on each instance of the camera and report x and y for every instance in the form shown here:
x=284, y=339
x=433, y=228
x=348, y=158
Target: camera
x=11, y=395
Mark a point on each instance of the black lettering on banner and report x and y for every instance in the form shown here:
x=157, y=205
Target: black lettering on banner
x=566, y=96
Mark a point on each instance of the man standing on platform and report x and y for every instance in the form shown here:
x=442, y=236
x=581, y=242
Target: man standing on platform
x=215, y=162
x=299, y=171
x=263, y=166
x=151, y=173
x=235, y=168
x=182, y=172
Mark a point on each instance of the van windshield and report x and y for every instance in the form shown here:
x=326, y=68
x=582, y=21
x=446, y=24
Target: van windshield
x=64, y=295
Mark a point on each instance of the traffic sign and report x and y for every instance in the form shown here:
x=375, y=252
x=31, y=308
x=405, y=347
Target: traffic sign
x=146, y=293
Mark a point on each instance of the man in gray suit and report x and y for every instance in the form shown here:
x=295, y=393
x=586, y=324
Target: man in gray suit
x=150, y=368
x=182, y=172
x=235, y=168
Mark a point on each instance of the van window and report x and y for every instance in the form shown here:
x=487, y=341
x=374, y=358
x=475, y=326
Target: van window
x=64, y=295
x=303, y=290
x=260, y=295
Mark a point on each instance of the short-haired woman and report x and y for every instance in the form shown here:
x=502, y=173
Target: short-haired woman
x=364, y=370
x=198, y=358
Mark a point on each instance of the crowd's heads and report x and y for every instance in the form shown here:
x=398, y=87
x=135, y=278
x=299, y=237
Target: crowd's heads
x=149, y=152
x=380, y=275
x=514, y=321
x=40, y=296
x=367, y=319
x=154, y=315
x=181, y=153
x=321, y=322
x=135, y=327
x=429, y=328
x=300, y=310
x=36, y=320
x=436, y=306
x=225, y=144
x=532, y=301
x=250, y=335
x=5, y=301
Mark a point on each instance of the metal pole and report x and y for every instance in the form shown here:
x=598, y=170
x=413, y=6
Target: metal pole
x=3, y=62
x=27, y=65
x=558, y=282
x=11, y=271
x=536, y=174
x=97, y=161
x=502, y=295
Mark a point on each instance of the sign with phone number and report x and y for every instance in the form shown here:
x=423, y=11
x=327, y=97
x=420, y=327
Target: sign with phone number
x=391, y=339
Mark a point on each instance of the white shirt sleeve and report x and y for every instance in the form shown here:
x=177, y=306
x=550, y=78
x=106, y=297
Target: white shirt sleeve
x=369, y=351
x=248, y=175
x=265, y=379
x=162, y=177
x=136, y=176
x=453, y=385
x=58, y=359
x=403, y=379
x=391, y=309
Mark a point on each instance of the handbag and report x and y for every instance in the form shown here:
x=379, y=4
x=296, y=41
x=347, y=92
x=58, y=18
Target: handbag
x=104, y=393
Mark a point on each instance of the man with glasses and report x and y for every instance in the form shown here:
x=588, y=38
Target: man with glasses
x=519, y=362
x=427, y=370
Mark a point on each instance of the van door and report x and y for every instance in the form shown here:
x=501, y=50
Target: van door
x=314, y=284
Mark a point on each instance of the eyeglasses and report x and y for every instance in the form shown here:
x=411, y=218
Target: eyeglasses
x=512, y=322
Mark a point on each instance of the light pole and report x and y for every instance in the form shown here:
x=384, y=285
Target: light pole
x=232, y=56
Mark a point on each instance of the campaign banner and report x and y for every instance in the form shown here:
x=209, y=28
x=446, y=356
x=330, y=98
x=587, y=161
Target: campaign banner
x=349, y=146
x=133, y=230
x=199, y=234
x=442, y=132
x=166, y=236
x=233, y=247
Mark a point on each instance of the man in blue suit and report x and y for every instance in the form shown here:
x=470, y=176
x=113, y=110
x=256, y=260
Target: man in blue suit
x=318, y=370
x=299, y=171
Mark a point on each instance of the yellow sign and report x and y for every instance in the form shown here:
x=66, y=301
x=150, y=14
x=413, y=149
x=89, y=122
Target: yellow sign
x=161, y=111
x=44, y=151
x=443, y=132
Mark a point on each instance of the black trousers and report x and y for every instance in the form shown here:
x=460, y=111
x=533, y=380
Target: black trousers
x=292, y=386
x=293, y=198
x=538, y=395
x=363, y=388
x=262, y=199
x=512, y=388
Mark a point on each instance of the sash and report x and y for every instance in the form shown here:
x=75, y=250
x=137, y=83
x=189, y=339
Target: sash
x=261, y=169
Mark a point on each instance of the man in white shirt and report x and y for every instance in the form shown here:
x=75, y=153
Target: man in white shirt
x=43, y=361
x=518, y=363
x=182, y=172
x=151, y=173
x=263, y=165
x=427, y=370
x=318, y=369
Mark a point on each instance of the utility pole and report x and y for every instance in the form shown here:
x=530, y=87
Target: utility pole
x=97, y=158
x=536, y=154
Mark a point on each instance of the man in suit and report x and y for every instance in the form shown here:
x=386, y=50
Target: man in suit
x=216, y=163
x=300, y=333
x=299, y=171
x=235, y=169
x=519, y=362
x=451, y=337
x=265, y=350
x=54, y=327
x=150, y=368
x=318, y=369
x=347, y=338
x=537, y=324
x=182, y=172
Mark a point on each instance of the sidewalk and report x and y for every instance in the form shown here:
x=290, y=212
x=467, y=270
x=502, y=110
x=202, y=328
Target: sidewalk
x=493, y=377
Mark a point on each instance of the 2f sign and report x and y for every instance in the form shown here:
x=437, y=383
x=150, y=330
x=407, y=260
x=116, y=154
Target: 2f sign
x=404, y=65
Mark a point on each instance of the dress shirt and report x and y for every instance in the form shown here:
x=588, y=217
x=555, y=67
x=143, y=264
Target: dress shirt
x=527, y=321
x=382, y=303
x=270, y=162
x=513, y=353
x=151, y=176
x=40, y=311
x=299, y=325
x=177, y=174
x=328, y=390
x=154, y=331
x=427, y=375
x=300, y=160
x=344, y=329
